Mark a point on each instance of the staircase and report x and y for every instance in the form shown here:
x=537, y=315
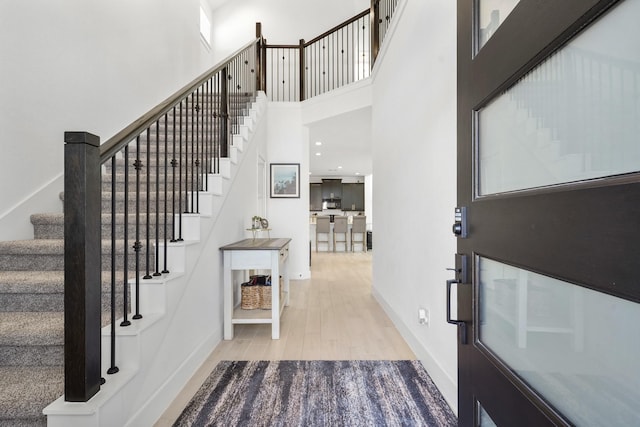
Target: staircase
x=32, y=290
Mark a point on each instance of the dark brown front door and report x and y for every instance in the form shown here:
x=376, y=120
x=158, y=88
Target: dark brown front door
x=548, y=162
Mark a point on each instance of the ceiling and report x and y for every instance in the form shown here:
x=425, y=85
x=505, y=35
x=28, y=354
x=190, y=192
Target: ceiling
x=346, y=145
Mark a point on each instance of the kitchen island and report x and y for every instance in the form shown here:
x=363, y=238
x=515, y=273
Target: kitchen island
x=328, y=247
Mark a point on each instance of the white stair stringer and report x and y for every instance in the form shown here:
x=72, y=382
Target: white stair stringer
x=157, y=355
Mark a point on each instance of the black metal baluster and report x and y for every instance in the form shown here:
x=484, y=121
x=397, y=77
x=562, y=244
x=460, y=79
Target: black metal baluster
x=186, y=155
x=334, y=52
x=234, y=101
x=193, y=137
x=137, y=245
x=353, y=53
x=205, y=133
x=224, y=103
x=166, y=172
x=358, y=54
x=283, y=77
x=197, y=152
x=364, y=40
x=147, y=234
x=218, y=122
x=125, y=273
x=274, y=76
x=180, y=162
x=157, y=226
x=113, y=368
x=174, y=165
x=209, y=130
x=327, y=65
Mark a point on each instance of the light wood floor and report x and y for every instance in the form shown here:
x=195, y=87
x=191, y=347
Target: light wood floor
x=332, y=316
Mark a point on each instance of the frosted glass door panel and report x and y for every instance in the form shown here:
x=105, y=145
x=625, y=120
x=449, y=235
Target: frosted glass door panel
x=484, y=420
x=578, y=348
x=491, y=14
x=574, y=117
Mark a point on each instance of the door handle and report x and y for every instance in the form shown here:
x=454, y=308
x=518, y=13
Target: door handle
x=462, y=279
x=462, y=325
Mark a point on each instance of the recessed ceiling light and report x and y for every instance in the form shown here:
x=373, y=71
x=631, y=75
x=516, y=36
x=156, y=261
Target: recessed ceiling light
x=318, y=154
x=339, y=167
x=318, y=143
x=357, y=173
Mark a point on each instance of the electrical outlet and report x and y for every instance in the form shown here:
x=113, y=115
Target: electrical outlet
x=423, y=316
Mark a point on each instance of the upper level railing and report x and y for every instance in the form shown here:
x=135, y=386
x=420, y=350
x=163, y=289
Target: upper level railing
x=340, y=56
x=125, y=200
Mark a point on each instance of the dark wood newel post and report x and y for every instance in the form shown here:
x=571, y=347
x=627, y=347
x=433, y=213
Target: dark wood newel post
x=263, y=65
x=302, y=70
x=82, y=247
x=375, y=30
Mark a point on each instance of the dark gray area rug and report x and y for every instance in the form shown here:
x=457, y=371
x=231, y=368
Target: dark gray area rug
x=318, y=393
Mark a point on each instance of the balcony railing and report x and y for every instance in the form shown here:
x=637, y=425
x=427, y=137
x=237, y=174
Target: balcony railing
x=340, y=56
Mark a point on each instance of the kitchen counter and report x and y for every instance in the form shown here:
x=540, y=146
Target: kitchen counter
x=348, y=214
x=328, y=247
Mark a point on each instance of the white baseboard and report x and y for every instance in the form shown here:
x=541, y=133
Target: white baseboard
x=153, y=408
x=442, y=380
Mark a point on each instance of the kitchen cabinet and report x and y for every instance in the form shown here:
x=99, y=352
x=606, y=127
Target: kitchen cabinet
x=315, y=196
x=353, y=197
x=331, y=189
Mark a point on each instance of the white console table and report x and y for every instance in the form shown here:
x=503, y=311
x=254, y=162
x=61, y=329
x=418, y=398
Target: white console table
x=256, y=254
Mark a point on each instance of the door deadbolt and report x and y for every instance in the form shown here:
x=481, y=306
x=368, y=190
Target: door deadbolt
x=460, y=222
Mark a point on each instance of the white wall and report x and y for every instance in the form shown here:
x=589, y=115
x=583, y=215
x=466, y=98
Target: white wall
x=368, y=200
x=288, y=142
x=283, y=21
x=82, y=65
x=414, y=158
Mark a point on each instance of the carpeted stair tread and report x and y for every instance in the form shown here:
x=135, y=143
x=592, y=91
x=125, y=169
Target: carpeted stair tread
x=24, y=391
x=48, y=254
x=58, y=218
x=31, y=328
x=37, y=246
x=51, y=226
x=34, y=282
x=44, y=282
x=43, y=291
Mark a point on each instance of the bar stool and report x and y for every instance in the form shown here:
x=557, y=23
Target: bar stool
x=322, y=227
x=340, y=227
x=359, y=226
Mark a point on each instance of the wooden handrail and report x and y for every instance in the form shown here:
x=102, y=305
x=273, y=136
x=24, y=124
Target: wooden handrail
x=119, y=140
x=337, y=27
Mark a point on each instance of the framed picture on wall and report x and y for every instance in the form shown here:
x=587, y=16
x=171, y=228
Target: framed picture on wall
x=285, y=180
